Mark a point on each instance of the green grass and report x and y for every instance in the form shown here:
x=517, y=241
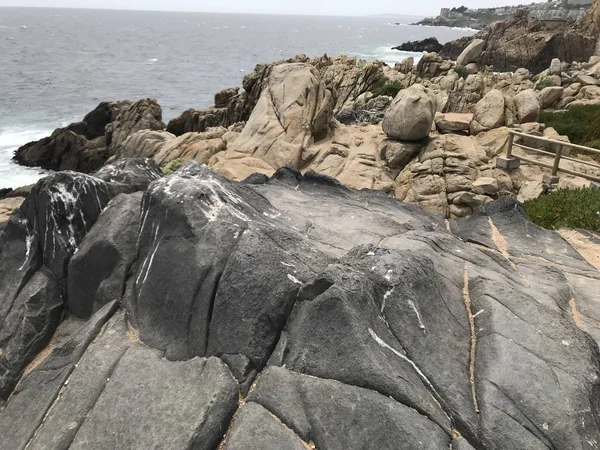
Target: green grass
x=566, y=208
x=385, y=86
x=580, y=123
x=172, y=166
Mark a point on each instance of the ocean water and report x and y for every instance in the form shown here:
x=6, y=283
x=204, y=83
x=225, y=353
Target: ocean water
x=58, y=64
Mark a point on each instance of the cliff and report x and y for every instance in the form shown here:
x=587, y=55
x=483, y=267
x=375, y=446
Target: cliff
x=478, y=19
x=527, y=42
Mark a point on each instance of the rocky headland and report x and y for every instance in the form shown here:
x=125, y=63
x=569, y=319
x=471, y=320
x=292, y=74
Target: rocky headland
x=308, y=264
x=480, y=18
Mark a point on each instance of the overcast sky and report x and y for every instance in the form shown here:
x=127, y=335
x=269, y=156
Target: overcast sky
x=332, y=7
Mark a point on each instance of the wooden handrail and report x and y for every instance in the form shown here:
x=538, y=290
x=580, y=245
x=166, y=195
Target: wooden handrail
x=553, y=141
x=557, y=156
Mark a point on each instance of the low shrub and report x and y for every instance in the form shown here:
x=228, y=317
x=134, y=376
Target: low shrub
x=461, y=71
x=172, y=166
x=580, y=123
x=544, y=83
x=566, y=208
x=385, y=86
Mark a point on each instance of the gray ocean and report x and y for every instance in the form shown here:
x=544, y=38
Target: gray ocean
x=58, y=64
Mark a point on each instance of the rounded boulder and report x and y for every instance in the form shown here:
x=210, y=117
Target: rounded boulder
x=410, y=115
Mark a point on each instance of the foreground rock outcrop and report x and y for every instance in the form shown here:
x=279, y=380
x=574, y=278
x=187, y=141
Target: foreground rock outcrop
x=288, y=312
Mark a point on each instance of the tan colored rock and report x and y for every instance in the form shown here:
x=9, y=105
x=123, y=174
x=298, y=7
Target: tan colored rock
x=293, y=110
x=521, y=75
x=144, y=114
x=530, y=191
x=489, y=112
x=451, y=122
x=410, y=115
x=586, y=80
x=471, y=53
x=485, y=186
x=442, y=177
x=572, y=90
x=144, y=143
x=550, y=96
x=7, y=207
x=528, y=106
x=555, y=67
x=192, y=146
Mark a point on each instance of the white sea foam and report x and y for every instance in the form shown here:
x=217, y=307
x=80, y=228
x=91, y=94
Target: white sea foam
x=391, y=56
x=11, y=174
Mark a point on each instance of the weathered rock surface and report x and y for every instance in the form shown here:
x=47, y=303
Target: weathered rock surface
x=527, y=42
x=293, y=111
x=528, y=106
x=426, y=45
x=472, y=53
x=410, y=115
x=365, y=322
x=85, y=146
x=36, y=246
x=489, y=112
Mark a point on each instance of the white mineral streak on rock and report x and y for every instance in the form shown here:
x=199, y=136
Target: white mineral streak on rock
x=150, y=258
x=405, y=358
x=385, y=297
x=414, y=308
x=28, y=241
x=294, y=280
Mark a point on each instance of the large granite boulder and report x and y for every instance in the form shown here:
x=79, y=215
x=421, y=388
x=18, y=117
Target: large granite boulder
x=410, y=115
x=489, y=112
x=472, y=53
x=144, y=143
x=550, y=96
x=293, y=111
x=528, y=106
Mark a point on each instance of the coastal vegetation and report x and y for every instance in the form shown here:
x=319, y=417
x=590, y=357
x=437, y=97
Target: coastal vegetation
x=566, y=208
x=580, y=123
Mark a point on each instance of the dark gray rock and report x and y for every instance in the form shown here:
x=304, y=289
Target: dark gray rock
x=184, y=405
x=37, y=391
x=85, y=146
x=427, y=45
x=28, y=326
x=255, y=428
x=337, y=331
x=35, y=248
x=61, y=209
x=337, y=416
x=354, y=320
x=130, y=175
x=85, y=384
x=98, y=271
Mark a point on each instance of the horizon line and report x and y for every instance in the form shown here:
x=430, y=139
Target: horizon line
x=80, y=8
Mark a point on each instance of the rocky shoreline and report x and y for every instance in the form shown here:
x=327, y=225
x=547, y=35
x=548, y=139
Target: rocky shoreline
x=245, y=276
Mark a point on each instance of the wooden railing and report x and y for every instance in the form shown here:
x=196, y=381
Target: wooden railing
x=512, y=161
